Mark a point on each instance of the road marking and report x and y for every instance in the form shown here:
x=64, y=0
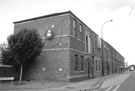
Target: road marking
x=108, y=89
x=115, y=89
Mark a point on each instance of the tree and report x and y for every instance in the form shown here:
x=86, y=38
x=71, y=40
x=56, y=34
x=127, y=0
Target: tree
x=23, y=48
x=3, y=46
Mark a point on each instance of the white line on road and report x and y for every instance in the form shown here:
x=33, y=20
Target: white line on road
x=115, y=89
x=108, y=89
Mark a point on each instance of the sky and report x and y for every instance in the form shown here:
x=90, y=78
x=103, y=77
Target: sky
x=94, y=13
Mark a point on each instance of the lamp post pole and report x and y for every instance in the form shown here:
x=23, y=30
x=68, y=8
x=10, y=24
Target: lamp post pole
x=102, y=44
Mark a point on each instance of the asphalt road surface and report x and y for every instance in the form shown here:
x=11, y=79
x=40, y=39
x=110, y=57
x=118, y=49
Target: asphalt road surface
x=129, y=84
x=122, y=82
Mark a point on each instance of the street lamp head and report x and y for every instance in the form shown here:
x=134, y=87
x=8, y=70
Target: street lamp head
x=111, y=20
x=103, y=26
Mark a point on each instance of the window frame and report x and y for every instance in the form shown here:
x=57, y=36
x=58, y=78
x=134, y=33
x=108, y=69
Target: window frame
x=76, y=62
x=88, y=43
x=74, y=28
x=96, y=65
x=80, y=27
x=99, y=65
x=82, y=63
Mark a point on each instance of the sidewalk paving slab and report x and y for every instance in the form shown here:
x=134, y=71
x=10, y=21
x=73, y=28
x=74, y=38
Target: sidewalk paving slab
x=55, y=86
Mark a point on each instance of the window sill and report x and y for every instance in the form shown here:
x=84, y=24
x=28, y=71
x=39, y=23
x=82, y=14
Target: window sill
x=98, y=71
x=82, y=71
x=76, y=72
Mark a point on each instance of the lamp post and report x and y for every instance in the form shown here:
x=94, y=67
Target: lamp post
x=103, y=45
x=103, y=27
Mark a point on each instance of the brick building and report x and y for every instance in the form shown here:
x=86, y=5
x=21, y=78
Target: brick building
x=73, y=53
x=113, y=60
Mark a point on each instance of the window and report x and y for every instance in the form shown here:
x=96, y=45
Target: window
x=104, y=46
x=81, y=33
x=96, y=65
x=88, y=44
x=92, y=60
x=99, y=65
x=76, y=62
x=99, y=42
x=80, y=28
x=81, y=62
x=96, y=42
x=74, y=28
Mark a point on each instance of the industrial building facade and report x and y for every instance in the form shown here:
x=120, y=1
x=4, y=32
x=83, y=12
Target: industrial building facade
x=73, y=52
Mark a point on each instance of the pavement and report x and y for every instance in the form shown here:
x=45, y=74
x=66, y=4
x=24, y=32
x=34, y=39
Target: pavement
x=121, y=82
x=56, y=86
x=116, y=80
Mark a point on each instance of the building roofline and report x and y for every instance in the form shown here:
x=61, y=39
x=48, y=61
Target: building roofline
x=40, y=17
x=113, y=48
x=54, y=14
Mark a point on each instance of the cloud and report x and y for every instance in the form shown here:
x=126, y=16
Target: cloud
x=113, y=4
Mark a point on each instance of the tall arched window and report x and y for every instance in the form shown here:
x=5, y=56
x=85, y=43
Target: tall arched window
x=88, y=43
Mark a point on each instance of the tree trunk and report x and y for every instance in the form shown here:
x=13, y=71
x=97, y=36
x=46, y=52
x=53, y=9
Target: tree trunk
x=21, y=70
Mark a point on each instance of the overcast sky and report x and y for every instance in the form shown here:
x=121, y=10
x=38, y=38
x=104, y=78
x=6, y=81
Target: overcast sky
x=119, y=33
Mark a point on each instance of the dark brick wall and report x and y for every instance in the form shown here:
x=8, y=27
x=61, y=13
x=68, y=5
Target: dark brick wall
x=78, y=47
x=80, y=72
x=53, y=63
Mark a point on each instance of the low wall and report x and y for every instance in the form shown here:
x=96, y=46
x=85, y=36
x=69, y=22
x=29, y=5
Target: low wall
x=8, y=71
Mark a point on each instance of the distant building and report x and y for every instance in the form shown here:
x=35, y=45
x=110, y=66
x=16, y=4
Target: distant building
x=72, y=51
x=131, y=67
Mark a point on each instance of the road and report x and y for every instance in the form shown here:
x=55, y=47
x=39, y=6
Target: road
x=123, y=82
x=129, y=84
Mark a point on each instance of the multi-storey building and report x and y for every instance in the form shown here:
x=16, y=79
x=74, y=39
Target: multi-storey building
x=113, y=61
x=72, y=53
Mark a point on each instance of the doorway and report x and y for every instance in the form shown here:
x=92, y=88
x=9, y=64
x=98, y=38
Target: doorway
x=90, y=68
